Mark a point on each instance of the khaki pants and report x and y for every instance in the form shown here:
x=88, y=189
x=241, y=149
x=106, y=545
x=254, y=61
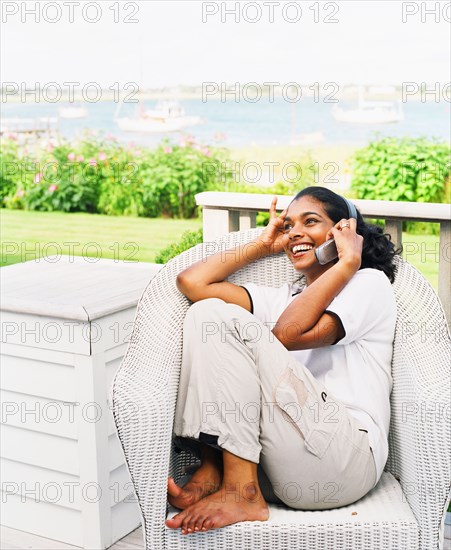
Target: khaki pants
x=241, y=390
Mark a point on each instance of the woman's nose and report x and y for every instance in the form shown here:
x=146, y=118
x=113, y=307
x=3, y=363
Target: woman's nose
x=295, y=231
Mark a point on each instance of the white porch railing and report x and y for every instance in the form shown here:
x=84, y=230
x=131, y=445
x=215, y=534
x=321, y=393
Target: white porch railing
x=225, y=212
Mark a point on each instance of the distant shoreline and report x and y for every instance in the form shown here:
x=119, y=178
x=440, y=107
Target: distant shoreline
x=107, y=95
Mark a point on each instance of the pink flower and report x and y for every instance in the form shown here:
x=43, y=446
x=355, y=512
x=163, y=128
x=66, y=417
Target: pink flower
x=20, y=193
x=207, y=152
x=80, y=158
x=71, y=156
x=38, y=177
x=53, y=188
x=190, y=139
x=167, y=150
x=50, y=147
x=102, y=156
x=183, y=143
x=93, y=162
x=110, y=137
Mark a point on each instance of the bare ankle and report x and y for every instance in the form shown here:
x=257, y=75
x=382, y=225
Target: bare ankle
x=251, y=492
x=211, y=456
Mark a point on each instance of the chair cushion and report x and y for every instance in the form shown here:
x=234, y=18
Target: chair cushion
x=382, y=519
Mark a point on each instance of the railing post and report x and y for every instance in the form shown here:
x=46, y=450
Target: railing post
x=218, y=221
x=248, y=220
x=444, y=268
x=394, y=228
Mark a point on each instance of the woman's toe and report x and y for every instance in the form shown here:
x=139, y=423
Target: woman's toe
x=207, y=524
x=199, y=523
x=186, y=523
x=176, y=521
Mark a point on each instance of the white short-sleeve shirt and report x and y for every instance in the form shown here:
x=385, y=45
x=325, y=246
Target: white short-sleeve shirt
x=356, y=369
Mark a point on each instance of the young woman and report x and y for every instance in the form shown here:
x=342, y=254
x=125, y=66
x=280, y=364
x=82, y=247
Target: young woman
x=284, y=394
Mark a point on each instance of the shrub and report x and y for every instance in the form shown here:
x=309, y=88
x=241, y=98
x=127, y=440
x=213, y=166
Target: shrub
x=187, y=240
x=176, y=173
x=402, y=169
x=121, y=192
x=10, y=173
x=97, y=174
x=58, y=176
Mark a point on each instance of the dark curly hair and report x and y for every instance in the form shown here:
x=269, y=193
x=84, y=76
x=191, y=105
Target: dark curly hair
x=378, y=250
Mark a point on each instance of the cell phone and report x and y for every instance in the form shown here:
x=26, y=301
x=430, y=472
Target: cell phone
x=326, y=252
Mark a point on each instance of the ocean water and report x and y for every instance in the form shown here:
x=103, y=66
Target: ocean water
x=243, y=123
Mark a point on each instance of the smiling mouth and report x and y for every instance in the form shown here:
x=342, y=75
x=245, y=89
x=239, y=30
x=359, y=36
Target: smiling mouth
x=301, y=250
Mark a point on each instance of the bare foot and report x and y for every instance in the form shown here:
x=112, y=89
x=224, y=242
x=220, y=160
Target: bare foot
x=222, y=508
x=205, y=480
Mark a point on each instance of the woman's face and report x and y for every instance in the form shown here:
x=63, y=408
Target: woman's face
x=306, y=224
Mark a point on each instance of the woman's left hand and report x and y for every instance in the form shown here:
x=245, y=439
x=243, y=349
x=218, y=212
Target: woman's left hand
x=349, y=243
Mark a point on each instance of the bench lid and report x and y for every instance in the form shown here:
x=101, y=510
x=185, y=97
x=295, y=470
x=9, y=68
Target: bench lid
x=74, y=287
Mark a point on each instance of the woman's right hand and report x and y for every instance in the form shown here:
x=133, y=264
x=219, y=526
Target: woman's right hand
x=273, y=239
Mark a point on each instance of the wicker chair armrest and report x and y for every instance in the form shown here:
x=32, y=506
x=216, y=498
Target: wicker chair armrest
x=420, y=428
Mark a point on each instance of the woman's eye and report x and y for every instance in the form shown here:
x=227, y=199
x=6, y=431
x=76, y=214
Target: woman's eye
x=311, y=220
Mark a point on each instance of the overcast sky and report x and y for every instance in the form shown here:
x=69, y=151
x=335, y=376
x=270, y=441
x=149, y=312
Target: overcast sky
x=171, y=44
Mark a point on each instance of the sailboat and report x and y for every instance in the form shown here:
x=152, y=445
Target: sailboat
x=167, y=116
x=370, y=112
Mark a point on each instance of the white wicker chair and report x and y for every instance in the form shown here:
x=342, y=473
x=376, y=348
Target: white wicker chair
x=404, y=511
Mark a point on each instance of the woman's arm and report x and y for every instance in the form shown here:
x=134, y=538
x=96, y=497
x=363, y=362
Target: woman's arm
x=327, y=331
x=205, y=278
x=304, y=323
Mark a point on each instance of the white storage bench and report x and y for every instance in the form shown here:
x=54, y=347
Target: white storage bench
x=65, y=328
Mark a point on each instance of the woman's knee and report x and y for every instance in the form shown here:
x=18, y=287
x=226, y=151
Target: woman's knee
x=203, y=307
x=215, y=316
x=202, y=314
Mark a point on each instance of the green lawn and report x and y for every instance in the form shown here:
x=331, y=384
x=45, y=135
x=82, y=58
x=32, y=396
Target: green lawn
x=28, y=235
x=422, y=251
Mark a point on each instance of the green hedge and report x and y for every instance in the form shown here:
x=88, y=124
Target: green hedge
x=403, y=169
x=99, y=175
x=187, y=240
